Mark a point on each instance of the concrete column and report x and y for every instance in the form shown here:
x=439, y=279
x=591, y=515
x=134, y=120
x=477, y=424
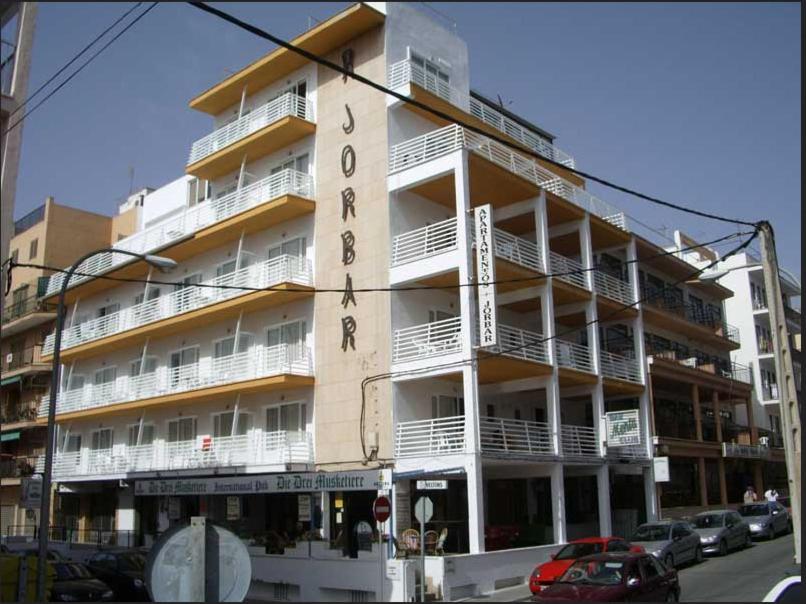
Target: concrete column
x=703, y=481
x=723, y=486
x=695, y=399
x=603, y=494
x=651, y=495
x=597, y=402
x=475, y=505
x=717, y=418
x=542, y=231
x=558, y=503
x=586, y=250
x=751, y=421
x=758, y=478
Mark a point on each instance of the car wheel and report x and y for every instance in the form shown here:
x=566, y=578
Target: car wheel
x=698, y=555
x=723, y=548
x=669, y=560
x=671, y=596
x=771, y=533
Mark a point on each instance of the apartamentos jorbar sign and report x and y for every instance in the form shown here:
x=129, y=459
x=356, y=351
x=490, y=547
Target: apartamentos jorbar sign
x=485, y=267
x=361, y=480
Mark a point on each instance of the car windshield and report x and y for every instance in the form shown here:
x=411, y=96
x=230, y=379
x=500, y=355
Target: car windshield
x=651, y=532
x=131, y=562
x=572, y=551
x=706, y=521
x=594, y=572
x=80, y=571
x=758, y=509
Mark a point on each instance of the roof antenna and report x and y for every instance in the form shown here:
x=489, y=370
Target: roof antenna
x=501, y=102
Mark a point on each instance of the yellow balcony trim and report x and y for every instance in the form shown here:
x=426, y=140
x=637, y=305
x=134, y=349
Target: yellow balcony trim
x=226, y=309
x=260, y=143
x=276, y=382
x=320, y=40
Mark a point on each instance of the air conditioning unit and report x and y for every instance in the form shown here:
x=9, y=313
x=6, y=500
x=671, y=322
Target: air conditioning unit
x=764, y=441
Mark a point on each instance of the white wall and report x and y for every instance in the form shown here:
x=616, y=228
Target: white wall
x=166, y=201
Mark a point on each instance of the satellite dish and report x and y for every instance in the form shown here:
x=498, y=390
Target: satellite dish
x=172, y=570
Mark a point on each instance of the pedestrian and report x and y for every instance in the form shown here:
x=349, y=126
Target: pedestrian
x=771, y=495
x=750, y=495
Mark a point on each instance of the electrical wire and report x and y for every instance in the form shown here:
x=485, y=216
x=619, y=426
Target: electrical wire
x=451, y=119
x=80, y=69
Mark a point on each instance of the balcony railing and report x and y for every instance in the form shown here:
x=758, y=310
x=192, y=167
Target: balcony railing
x=429, y=437
x=619, y=367
x=17, y=359
x=769, y=392
x=427, y=340
x=568, y=270
x=404, y=72
x=281, y=269
x=579, y=441
x=627, y=452
x=15, y=467
x=612, y=287
x=13, y=412
x=254, y=448
x=516, y=250
x=256, y=363
x=443, y=141
x=16, y=309
x=515, y=437
x=286, y=105
x=286, y=182
x=765, y=346
x=519, y=344
x=759, y=304
x=664, y=300
x=573, y=356
x=726, y=369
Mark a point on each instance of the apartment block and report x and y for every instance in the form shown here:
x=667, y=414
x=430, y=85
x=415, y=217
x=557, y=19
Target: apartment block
x=320, y=340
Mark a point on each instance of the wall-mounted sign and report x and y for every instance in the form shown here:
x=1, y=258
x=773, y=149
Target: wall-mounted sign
x=485, y=267
x=174, y=508
x=304, y=508
x=432, y=485
x=233, y=507
x=623, y=428
x=660, y=467
x=31, y=492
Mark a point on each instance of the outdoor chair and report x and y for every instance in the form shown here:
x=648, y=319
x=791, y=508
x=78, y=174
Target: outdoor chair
x=430, y=541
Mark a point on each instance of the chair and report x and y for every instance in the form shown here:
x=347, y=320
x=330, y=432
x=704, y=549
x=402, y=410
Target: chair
x=430, y=541
x=439, y=548
x=410, y=540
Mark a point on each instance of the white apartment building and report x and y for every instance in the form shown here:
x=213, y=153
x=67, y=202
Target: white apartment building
x=282, y=413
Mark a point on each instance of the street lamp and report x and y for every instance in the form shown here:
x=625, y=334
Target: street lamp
x=160, y=262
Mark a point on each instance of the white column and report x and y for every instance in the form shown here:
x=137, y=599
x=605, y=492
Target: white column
x=475, y=505
x=644, y=400
x=542, y=231
x=124, y=516
x=650, y=494
x=558, y=503
x=586, y=249
x=603, y=494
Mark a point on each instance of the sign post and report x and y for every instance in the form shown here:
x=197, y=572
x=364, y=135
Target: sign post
x=485, y=266
x=381, y=509
x=423, y=510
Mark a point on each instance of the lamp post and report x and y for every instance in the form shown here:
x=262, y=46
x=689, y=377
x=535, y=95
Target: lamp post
x=44, y=510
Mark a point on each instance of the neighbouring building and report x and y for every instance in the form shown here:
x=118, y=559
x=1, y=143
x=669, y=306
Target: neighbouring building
x=281, y=413
x=45, y=236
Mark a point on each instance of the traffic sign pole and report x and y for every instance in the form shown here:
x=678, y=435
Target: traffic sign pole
x=381, y=510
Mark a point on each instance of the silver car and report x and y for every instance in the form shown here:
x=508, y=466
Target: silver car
x=767, y=519
x=672, y=541
x=721, y=530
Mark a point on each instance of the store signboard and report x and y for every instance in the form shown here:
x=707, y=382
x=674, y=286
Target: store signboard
x=304, y=482
x=304, y=508
x=623, y=428
x=31, y=492
x=660, y=465
x=485, y=264
x=233, y=507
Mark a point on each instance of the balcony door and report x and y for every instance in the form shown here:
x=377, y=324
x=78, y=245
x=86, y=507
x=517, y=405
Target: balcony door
x=300, y=164
x=182, y=429
x=300, y=89
x=292, y=335
x=101, y=439
x=291, y=417
x=447, y=406
x=184, y=367
x=222, y=424
x=186, y=294
x=134, y=432
x=292, y=247
x=104, y=383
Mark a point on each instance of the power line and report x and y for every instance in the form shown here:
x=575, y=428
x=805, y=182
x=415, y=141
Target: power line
x=75, y=58
x=402, y=288
x=80, y=68
x=425, y=107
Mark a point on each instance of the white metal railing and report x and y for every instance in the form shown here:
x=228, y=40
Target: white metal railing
x=619, y=367
x=451, y=138
x=628, y=452
x=424, y=242
x=579, y=441
x=515, y=249
x=286, y=105
x=573, y=355
x=282, y=269
x=514, y=437
x=259, y=361
x=192, y=219
x=613, y=288
x=404, y=72
x=428, y=437
x=568, y=270
x=519, y=344
x=427, y=340
x=257, y=447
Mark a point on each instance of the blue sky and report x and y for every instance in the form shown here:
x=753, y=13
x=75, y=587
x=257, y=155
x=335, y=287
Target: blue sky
x=693, y=103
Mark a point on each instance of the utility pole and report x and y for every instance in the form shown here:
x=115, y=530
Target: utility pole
x=788, y=398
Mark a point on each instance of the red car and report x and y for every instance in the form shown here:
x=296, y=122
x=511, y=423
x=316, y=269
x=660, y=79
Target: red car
x=546, y=573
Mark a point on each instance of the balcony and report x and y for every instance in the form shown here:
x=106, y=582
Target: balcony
x=627, y=452
x=22, y=314
x=613, y=288
x=441, y=142
x=184, y=306
x=575, y=363
x=256, y=448
x=769, y=392
x=579, y=442
x=206, y=379
x=515, y=438
x=18, y=413
x=406, y=72
x=267, y=129
x=793, y=316
x=16, y=467
x=625, y=371
x=429, y=437
x=567, y=272
x=726, y=369
x=281, y=196
x=427, y=341
x=765, y=346
x=21, y=361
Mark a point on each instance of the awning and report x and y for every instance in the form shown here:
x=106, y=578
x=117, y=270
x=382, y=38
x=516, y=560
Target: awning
x=7, y=436
x=11, y=380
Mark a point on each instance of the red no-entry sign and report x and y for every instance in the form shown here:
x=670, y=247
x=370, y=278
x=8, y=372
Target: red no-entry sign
x=382, y=508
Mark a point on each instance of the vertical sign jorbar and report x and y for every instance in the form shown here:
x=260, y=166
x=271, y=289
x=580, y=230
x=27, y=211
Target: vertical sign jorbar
x=485, y=267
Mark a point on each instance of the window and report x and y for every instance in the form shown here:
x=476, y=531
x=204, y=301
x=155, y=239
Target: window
x=447, y=406
x=291, y=417
x=18, y=300
x=679, y=531
x=70, y=443
x=75, y=382
x=184, y=367
x=439, y=315
x=187, y=299
x=32, y=250
x=230, y=187
x=107, y=310
x=152, y=293
x=107, y=375
x=101, y=439
x=150, y=366
x=289, y=334
x=222, y=424
x=292, y=247
x=618, y=546
x=650, y=570
x=181, y=429
x=436, y=78
x=199, y=190
x=148, y=435
x=300, y=164
x=226, y=347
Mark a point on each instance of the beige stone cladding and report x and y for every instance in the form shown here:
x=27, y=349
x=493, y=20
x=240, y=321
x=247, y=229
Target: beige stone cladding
x=339, y=373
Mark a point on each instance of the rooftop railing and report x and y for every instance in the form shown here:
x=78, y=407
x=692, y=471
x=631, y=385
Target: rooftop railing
x=725, y=368
x=286, y=105
x=192, y=219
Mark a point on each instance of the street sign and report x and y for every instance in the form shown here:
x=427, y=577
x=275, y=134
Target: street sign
x=623, y=428
x=31, y=492
x=382, y=508
x=660, y=465
x=423, y=509
x=432, y=485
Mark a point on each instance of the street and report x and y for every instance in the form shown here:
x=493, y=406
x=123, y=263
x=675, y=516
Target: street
x=742, y=576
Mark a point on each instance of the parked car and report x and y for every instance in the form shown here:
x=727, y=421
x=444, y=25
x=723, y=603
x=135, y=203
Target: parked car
x=123, y=571
x=73, y=582
x=545, y=574
x=614, y=577
x=53, y=555
x=721, y=530
x=766, y=519
x=672, y=541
